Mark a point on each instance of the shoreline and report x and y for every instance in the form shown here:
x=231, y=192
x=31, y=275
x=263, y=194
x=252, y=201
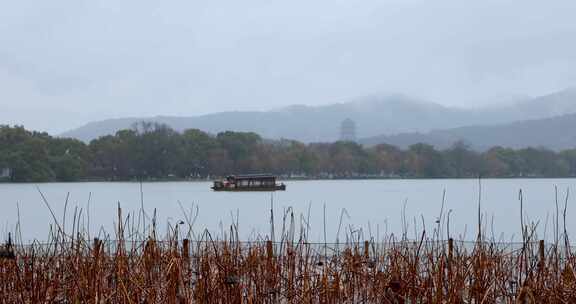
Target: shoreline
x=288, y=179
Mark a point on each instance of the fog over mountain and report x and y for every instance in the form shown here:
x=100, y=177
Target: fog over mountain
x=65, y=63
x=374, y=116
x=554, y=133
x=547, y=121
x=556, y=104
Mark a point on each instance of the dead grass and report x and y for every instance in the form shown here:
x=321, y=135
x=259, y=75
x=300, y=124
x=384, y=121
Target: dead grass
x=137, y=266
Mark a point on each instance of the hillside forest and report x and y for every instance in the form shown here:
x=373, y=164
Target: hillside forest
x=150, y=151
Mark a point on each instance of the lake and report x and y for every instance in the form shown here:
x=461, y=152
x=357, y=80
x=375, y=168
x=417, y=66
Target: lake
x=375, y=207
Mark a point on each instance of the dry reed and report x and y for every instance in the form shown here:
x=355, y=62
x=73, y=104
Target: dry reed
x=137, y=266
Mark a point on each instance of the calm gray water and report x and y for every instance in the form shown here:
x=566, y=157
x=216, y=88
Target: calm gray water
x=374, y=206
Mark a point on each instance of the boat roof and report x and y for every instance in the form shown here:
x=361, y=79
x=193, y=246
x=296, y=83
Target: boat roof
x=254, y=176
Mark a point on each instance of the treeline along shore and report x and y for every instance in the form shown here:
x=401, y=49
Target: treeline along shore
x=156, y=152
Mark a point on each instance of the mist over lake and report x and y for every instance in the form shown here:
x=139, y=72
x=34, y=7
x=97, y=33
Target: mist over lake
x=375, y=207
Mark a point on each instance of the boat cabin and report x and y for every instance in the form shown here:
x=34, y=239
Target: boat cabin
x=253, y=182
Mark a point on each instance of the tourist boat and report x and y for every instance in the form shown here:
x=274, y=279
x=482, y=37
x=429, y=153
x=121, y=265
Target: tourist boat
x=253, y=182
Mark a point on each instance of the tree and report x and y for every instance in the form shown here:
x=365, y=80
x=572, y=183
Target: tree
x=155, y=151
x=569, y=157
x=348, y=158
x=424, y=161
x=462, y=161
x=239, y=147
x=193, y=152
x=387, y=159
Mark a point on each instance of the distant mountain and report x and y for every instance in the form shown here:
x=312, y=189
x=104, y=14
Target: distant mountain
x=556, y=133
x=556, y=104
x=374, y=116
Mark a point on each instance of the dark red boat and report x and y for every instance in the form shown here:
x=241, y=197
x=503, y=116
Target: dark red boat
x=252, y=182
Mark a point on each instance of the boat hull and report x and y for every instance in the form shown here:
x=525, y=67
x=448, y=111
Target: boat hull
x=250, y=189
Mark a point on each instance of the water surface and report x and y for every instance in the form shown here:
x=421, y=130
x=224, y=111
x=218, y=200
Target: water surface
x=375, y=207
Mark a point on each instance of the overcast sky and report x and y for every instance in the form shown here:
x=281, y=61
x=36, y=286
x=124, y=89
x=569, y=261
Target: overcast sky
x=67, y=62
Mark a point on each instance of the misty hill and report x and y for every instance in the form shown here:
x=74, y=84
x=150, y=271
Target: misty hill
x=555, y=133
x=556, y=104
x=374, y=116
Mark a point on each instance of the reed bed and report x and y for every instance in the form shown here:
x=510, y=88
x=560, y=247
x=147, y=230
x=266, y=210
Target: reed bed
x=135, y=265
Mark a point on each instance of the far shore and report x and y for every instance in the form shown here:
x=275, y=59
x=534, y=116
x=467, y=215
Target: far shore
x=284, y=178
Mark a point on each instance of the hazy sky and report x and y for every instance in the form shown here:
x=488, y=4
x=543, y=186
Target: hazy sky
x=66, y=62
